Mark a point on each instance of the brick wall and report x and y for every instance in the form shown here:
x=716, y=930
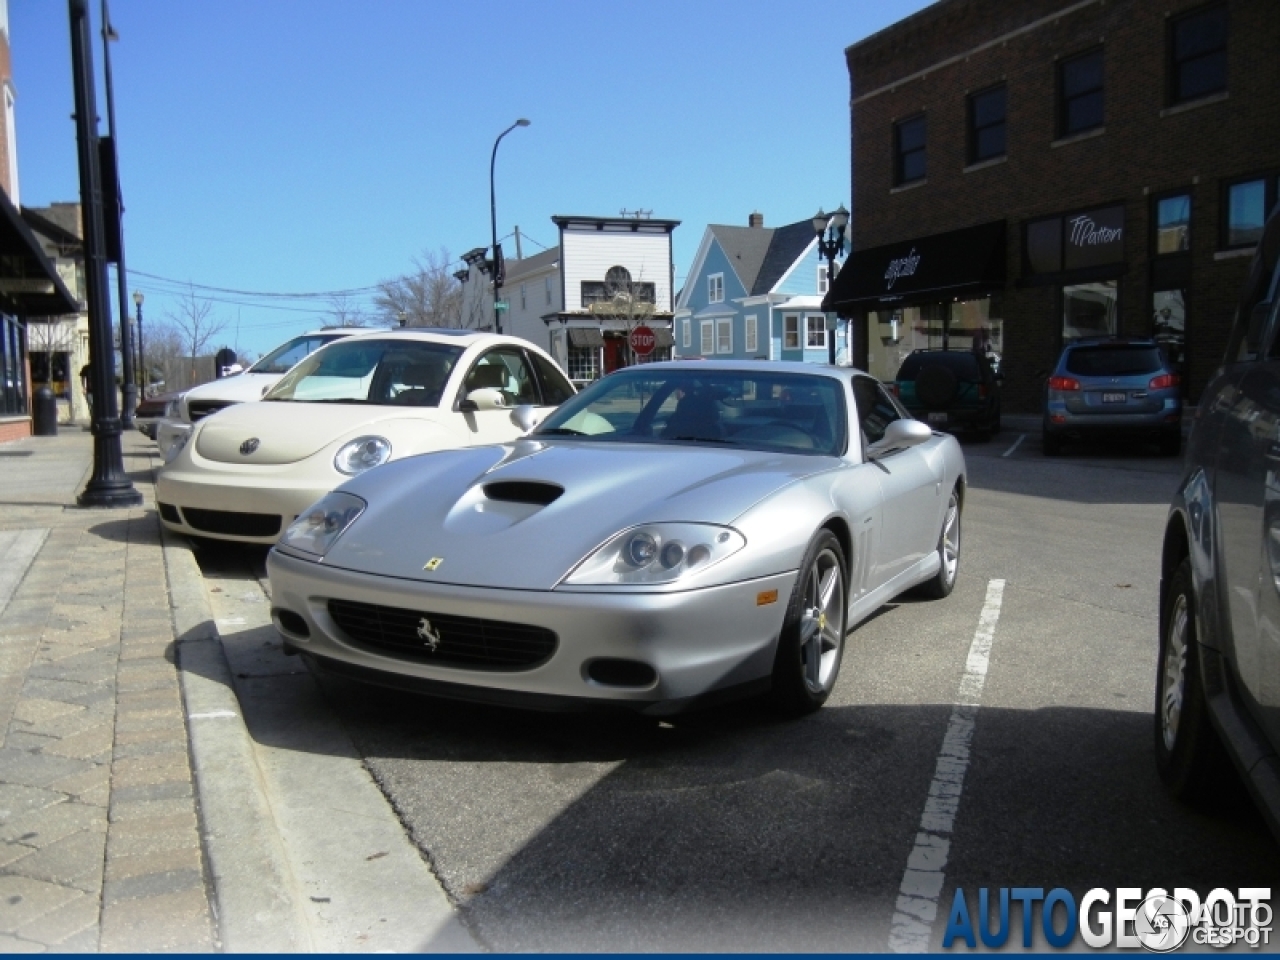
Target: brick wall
x=903, y=70
x=14, y=428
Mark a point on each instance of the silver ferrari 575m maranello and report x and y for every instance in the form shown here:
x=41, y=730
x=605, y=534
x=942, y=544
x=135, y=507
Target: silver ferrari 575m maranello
x=676, y=532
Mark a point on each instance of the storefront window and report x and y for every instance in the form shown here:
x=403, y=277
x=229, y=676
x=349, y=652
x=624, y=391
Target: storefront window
x=584, y=364
x=1169, y=324
x=1089, y=310
x=933, y=326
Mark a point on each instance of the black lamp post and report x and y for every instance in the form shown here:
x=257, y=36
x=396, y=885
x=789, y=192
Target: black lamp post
x=499, y=270
x=111, y=193
x=142, y=356
x=109, y=485
x=830, y=230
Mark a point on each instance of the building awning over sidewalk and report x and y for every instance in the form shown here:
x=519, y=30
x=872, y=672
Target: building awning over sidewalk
x=29, y=284
x=952, y=264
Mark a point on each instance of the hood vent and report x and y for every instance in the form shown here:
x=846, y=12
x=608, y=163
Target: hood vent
x=523, y=491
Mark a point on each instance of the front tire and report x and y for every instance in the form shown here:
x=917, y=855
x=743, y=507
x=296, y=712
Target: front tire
x=1189, y=756
x=944, y=581
x=811, y=645
x=1051, y=444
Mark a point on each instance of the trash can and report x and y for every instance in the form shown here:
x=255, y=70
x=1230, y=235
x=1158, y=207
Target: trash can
x=44, y=412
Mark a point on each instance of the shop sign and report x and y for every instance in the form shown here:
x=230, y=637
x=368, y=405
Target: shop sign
x=1075, y=241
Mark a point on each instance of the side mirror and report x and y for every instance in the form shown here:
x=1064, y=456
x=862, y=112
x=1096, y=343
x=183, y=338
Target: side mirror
x=898, y=436
x=526, y=417
x=486, y=398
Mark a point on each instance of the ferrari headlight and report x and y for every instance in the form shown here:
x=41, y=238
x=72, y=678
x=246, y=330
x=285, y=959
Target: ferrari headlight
x=657, y=553
x=361, y=454
x=175, y=447
x=318, y=527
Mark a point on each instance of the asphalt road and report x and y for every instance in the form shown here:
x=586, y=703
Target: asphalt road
x=733, y=831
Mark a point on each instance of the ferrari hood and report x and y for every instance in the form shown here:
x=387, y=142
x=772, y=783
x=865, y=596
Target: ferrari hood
x=286, y=432
x=522, y=516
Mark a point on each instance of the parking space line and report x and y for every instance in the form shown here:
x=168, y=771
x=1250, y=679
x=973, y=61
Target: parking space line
x=916, y=908
x=1016, y=444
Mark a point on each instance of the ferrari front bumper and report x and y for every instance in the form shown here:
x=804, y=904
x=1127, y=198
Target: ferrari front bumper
x=697, y=642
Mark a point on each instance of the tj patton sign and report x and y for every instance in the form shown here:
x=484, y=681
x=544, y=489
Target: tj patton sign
x=1075, y=241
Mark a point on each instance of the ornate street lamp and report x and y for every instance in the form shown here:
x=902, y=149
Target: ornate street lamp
x=830, y=230
x=143, y=379
x=498, y=270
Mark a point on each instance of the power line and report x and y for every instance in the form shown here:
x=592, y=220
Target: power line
x=319, y=295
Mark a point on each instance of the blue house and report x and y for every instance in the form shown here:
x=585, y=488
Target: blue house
x=756, y=292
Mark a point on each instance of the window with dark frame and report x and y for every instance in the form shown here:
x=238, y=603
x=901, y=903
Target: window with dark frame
x=1245, y=205
x=908, y=150
x=987, y=124
x=1080, y=93
x=1198, y=54
x=1172, y=223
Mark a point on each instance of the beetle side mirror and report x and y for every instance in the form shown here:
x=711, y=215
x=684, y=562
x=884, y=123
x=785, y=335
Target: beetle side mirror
x=898, y=436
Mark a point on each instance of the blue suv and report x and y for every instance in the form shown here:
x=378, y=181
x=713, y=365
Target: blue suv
x=1113, y=387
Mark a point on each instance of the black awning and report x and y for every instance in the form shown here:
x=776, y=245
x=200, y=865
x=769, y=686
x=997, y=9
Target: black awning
x=942, y=265
x=29, y=284
x=586, y=337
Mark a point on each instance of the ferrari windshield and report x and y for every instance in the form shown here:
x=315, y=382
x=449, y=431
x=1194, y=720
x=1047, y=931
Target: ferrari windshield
x=362, y=370
x=763, y=410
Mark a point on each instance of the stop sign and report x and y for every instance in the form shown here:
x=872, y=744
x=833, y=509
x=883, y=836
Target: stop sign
x=642, y=341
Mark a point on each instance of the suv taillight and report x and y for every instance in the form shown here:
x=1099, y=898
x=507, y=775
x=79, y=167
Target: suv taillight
x=1063, y=383
x=1163, y=382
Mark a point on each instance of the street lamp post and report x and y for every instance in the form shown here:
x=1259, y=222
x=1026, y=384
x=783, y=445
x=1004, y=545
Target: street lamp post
x=142, y=356
x=109, y=485
x=830, y=230
x=129, y=390
x=497, y=268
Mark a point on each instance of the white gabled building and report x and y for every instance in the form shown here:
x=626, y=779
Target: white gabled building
x=581, y=299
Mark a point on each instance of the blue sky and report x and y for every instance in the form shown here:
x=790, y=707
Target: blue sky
x=300, y=147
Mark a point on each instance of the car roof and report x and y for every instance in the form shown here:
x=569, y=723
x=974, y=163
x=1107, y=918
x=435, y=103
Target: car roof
x=748, y=366
x=1111, y=342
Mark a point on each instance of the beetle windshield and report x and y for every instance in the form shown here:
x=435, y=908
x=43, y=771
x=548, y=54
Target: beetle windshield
x=363, y=370
x=759, y=409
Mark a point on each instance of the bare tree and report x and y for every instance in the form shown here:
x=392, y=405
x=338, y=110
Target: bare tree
x=196, y=324
x=345, y=312
x=428, y=296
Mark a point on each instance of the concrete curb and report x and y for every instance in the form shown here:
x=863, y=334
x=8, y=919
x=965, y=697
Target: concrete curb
x=254, y=892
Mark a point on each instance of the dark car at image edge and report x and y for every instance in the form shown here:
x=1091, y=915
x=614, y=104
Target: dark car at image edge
x=1218, y=670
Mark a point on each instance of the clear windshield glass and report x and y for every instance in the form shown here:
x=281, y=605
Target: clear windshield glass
x=384, y=372
x=283, y=357
x=784, y=412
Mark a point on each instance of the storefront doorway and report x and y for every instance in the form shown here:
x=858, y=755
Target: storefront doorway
x=959, y=325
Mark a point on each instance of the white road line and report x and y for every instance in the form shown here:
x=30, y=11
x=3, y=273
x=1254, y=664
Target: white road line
x=1017, y=443
x=922, y=881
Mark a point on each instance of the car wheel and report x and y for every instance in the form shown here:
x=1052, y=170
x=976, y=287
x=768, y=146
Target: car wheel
x=1050, y=444
x=1189, y=755
x=811, y=645
x=944, y=581
x=1171, y=445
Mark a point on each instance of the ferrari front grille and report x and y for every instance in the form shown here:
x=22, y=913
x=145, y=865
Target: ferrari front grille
x=426, y=637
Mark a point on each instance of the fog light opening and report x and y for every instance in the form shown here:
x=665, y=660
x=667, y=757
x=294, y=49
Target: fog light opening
x=289, y=622
x=611, y=672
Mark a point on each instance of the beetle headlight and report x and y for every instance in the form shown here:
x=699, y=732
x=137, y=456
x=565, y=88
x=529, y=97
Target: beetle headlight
x=175, y=447
x=361, y=454
x=657, y=553
x=318, y=527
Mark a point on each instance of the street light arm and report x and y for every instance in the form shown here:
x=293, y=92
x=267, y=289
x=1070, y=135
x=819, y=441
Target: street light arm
x=493, y=221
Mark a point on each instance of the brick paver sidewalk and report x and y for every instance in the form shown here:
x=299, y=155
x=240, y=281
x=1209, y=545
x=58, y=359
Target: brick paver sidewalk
x=99, y=842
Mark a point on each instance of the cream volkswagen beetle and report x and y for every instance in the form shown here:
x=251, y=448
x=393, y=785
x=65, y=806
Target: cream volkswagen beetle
x=247, y=471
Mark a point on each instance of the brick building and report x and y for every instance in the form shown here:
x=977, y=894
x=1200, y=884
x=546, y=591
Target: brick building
x=1025, y=173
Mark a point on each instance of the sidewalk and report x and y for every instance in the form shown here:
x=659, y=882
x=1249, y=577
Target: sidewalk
x=170, y=781
x=99, y=839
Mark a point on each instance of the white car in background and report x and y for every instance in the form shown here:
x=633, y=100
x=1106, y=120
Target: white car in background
x=198, y=402
x=245, y=474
